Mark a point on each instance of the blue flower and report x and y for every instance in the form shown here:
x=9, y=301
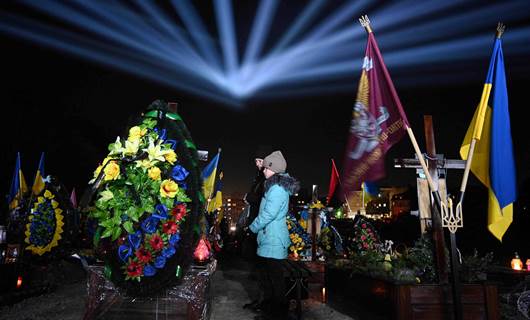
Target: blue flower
x=134, y=239
x=160, y=262
x=149, y=224
x=160, y=211
x=161, y=133
x=168, y=252
x=174, y=240
x=173, y=143
x=179, y=173
x=124, y=252
x=149, y=271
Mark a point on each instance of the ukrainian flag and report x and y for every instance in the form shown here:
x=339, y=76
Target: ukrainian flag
x=493, y=161
x=18, y=186
x=370, y=191
x=38, y=183
x=208, y=177
x=217, y=201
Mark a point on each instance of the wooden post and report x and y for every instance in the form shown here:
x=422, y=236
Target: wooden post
x=437, y=230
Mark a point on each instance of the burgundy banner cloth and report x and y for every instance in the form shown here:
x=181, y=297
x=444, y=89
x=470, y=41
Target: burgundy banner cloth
x=378, y=122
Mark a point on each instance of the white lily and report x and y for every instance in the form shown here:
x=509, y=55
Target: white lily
x=155, y=152
x=131, y=147
x=116, y=147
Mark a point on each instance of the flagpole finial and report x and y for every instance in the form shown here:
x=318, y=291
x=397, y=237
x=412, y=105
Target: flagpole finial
x=500, y=30
x=365, y=22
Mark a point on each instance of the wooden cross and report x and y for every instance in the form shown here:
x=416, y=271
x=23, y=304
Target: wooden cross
x=438, y=166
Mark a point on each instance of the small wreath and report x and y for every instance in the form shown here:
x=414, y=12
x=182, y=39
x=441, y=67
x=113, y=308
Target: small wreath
x=45, y=226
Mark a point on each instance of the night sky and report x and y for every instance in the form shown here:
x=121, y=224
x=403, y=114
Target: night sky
x=72, y=108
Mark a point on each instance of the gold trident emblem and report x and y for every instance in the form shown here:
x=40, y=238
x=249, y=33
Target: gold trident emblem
x=452, y=220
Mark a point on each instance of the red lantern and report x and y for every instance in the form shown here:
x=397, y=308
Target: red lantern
x=19, y=282
x=202, y=251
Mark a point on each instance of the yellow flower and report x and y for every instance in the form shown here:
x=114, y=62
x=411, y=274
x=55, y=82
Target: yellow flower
x=48, y=194
x=171, y=157
x=154, y=173
x=55, y=204
x=168, y=188
x=112, y=171
x=135, y=133
x=98, y=169
x=131, y=147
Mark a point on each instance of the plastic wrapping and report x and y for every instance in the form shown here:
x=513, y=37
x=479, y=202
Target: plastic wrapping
x=190, y=299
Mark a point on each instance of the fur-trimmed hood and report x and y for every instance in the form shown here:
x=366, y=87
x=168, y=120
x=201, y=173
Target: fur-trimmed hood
x=284, y=180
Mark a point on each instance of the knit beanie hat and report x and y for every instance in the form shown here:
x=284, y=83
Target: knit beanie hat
x=275, y=162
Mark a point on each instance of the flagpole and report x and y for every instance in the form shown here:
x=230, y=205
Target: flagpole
x=344, y=194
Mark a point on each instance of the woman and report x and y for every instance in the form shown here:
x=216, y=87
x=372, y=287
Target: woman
x=273, y=236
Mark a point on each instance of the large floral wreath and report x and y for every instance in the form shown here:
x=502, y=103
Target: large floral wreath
x=142, y=200
x=45, y=226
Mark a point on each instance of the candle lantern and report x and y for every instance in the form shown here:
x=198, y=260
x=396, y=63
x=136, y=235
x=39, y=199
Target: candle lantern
x=517, y=264
x=202, y=251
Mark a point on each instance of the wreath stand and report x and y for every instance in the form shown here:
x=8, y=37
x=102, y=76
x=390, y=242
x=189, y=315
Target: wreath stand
x=190, y=299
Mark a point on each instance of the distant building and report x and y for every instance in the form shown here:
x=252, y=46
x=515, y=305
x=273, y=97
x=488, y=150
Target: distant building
x=389, y=203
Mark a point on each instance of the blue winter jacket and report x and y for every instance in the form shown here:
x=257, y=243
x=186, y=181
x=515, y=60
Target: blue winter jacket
x=270, y=224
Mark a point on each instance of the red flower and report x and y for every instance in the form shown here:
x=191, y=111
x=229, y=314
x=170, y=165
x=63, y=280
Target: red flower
x=170, y=227
x=365, y=245
x=156, y=242
x=134, y=269
x=179, y=211
x=143, y=255
x=363, y=225
x=363, y=238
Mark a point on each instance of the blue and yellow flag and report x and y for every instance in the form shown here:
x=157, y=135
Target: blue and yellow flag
x=38, y=183
x=370, y=191
x=217, y=201
x=208, y=177
x=18, y=186
x=493, y=161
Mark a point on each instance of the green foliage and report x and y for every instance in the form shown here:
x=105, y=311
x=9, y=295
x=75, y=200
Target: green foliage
x=474, y=266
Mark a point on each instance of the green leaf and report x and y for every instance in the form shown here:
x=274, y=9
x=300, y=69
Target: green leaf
x=190, y=144
x=116, y=232
x=107, y=223
x=128, y=226
x=117, y=219
x=107, y=233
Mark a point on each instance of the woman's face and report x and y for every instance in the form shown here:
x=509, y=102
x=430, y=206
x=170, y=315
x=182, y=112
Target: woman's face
x=268, y=173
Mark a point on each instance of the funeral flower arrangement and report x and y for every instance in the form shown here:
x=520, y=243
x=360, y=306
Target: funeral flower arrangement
x=365, y=237
x=47, y=220
x=143, y=199
x=300, y=239
x=45, y=226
